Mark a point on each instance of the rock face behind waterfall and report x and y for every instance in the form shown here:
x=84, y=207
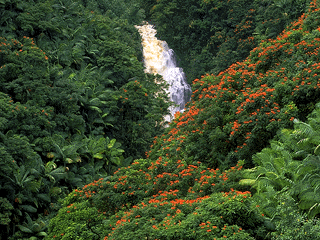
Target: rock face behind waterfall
x=160, y=59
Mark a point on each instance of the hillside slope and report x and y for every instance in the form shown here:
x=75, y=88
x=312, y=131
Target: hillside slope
x=210, y=35
x=188, y=187
x=75, y=103
x=234, y=114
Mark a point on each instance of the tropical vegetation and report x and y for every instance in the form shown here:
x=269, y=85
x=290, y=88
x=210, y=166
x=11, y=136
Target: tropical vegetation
x=85, y=153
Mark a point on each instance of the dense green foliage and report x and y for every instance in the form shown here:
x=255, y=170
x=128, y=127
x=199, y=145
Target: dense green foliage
x=234, y=114
x=75, y=102
x=210, y=35
x=162, y=199
x=241, y=162
x=178, y=192
x=286, y=179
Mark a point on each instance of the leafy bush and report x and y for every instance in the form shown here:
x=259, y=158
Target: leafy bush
x=159, y=199
x=85, y=219
x=220, y=215
x=286, y=180
x=291, y=222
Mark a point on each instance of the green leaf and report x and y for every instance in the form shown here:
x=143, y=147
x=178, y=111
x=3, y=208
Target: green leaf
x=94, y=101
x=98, y=155
x=308, y=199
x=98, y=165
x=111, y=143
x=126, y=162
x=116, y=145
x=52, y=179
x=29, y=208
x=72, y=75
x=271, y=175
x=42, y=234
x=95, y=108
x=44, y=197
x=38, y=149
x=98, y=120
x=29, y=220
x=114, y=152
x=33, y=238
x=115, y=160
x=19, y=212
x=50, y=166
x=35, y=227
x=24, y=229
x=317, y=150
x=58, y=173
x=314, y=210
x=270, y=225
x=248, y=182
x=76, y=181
x=279, y=164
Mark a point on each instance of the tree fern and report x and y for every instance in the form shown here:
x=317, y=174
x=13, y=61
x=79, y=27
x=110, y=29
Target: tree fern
x=308, y=134
x=279, y=171
x=276, y=166
x=307, y=191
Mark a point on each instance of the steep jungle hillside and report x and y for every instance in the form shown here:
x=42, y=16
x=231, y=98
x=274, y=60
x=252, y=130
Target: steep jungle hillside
x=242, y=162
x=75, y=103
x=210, y=35
x=234, y=114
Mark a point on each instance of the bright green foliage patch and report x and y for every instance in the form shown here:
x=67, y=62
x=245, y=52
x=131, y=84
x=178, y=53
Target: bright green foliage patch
x=286, y=179
x=77, y=221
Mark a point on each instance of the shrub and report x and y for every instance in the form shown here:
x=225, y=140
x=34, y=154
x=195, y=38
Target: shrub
x=291, y=222
x=164, y=216
x=286, y=180
x=78, y=220
x=136, y=199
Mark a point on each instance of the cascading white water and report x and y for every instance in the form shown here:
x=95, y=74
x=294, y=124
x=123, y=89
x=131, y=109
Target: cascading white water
x=160, y=59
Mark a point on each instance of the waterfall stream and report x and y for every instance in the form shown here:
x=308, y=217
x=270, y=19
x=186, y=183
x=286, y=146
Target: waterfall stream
x=160, y=59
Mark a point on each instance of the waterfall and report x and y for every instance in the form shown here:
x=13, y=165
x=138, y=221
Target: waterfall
x=160, y=59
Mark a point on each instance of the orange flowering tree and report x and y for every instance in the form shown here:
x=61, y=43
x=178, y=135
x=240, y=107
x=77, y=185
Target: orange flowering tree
x=74, y=85
x=162, y=199
x=210, y=35
x=235, y=113
x=188, y=187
